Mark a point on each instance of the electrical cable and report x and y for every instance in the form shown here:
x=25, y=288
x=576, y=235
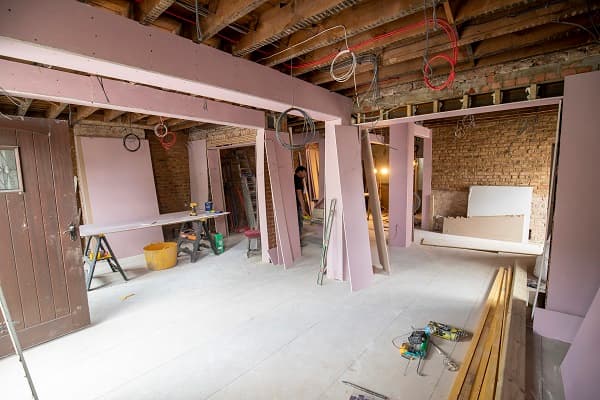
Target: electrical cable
x=309, y=131
x=351, y=70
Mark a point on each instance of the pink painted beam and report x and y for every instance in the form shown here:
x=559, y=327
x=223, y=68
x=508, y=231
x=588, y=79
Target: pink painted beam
x=580, y=366
x=261, y=196
x=281, y=173
x=401, y=185
x=30, y=81
x=198, y=171
x=112, y=46
x=426, y=189
x=216, y=188
x=354, y=213
x=517, y=105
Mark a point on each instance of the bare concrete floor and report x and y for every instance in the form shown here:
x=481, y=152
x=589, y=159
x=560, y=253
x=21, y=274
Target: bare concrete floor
x=227, y=327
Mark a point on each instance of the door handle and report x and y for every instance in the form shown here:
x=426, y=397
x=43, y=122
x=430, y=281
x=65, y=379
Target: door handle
x=72, y=231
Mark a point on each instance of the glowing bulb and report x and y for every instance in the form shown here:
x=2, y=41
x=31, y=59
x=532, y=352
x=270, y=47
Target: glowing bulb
x=384, y=171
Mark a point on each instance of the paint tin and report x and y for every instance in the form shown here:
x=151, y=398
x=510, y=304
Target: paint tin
x=208, y=206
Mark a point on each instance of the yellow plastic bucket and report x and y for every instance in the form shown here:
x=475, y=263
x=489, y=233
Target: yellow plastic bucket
x=161, y=255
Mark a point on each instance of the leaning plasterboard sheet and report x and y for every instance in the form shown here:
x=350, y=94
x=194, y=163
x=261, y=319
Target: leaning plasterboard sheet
x=121, y=187
x=485, y=201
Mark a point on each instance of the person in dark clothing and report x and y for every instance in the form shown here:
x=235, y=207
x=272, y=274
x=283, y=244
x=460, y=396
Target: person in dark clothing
x=299, y=176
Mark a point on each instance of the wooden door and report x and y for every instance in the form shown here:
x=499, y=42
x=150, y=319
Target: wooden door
x=40, y=265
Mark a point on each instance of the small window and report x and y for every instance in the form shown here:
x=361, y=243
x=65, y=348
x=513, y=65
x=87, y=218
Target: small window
x=10, y=170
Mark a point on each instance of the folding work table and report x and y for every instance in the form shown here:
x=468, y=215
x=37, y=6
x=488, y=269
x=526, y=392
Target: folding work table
x=103, y=252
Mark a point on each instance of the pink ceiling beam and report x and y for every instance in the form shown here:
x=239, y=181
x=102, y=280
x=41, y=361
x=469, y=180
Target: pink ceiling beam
x=31, y=81
x=465, y=111
x=110, y=45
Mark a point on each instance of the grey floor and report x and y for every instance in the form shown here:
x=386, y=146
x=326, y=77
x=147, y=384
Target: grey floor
x=228, y=327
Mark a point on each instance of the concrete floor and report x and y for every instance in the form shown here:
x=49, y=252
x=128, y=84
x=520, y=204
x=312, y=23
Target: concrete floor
x=228, y=327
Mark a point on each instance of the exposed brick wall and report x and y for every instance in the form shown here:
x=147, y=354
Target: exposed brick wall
x=224, y=136
x=509, y=151
x=171, y=176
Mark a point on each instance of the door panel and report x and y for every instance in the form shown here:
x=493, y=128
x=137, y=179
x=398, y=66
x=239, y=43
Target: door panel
x=40, y=266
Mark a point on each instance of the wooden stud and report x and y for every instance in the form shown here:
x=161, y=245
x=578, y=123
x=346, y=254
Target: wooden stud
x=226, y=12
x=150, y=10
x=25, y=104
x=55, y=110
x=83, y=112
x=110, y=115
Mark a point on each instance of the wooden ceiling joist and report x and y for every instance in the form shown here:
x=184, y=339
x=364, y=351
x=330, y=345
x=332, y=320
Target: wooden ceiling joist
x=467, y=10
x=471, y=34
x=279, y=22
x=155, y=119
x=134, y=117
x=83, y=112
x=184, y=125
x=359, y=19
x=55, y=110
x=110, y=115
x=23, y=107
x=227, y=12
x=150, y=10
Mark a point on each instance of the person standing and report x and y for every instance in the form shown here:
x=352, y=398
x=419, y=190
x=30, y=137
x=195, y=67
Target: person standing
x=299, y=176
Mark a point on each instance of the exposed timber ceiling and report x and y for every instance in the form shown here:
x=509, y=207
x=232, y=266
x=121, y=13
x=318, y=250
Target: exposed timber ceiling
x=388, y=37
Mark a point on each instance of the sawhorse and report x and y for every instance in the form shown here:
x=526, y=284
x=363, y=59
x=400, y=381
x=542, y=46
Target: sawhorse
x=102, y=252
x=195, y=232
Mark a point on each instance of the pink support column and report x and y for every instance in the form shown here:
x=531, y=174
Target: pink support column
x=261, y=197
x=216, y=188
x=336, y=252
x=426, y=190
x=198, y=171
x=401, y=185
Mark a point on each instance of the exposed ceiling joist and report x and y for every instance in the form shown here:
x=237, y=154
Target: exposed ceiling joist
x=227, y=12
x=276, y=23
x=55, y=110
x=83, y=112
x=473, y=8
x=23, y=107
x=359, y=19
x=471, y=34
x=184, y=125
x=150, y=10
x=110, y=115
x=134, y=117
x=155, y=119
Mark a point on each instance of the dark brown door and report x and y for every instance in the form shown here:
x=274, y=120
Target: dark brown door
x=40, y=265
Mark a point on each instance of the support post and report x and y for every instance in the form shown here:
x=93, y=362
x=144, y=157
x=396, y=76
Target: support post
x=426, y=212
x=367, y=156
x=261, y=196
x=401, y=185
x=216, y=188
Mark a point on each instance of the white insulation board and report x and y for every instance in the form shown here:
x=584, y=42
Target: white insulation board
x=486, y=201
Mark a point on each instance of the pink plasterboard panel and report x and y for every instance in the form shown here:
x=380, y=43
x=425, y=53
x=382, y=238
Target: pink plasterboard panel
x=426, y=189
x=401, y=185
x=198, y=171
x=556, y=325
x=216, y=188
x=120, y=186
x=152, y=57
x=580, y=367
x=356, y=229
x=336, y=257
x=261, y=194
x=281, y=173
x=574, y=270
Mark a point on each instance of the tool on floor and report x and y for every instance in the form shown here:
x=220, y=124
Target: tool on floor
x=450, y=365
x=415, y=348
x=445, y=331
x=326, y=237
x=12, y=333
x=193, y=209
x=368, y=391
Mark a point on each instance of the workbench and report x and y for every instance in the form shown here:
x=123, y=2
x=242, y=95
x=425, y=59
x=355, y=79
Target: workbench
x=96, y=233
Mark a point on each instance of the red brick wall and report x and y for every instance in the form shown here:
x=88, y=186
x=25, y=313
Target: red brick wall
x=514, y=150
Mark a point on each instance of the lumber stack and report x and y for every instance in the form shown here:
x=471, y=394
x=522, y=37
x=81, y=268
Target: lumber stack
x=494, y=366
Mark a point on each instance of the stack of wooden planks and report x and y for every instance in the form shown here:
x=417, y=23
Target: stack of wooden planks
x=494, y=366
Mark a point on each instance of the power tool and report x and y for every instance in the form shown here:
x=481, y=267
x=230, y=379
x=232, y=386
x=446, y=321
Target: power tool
x=445, y=331
x=415, y=348
x=193, y=209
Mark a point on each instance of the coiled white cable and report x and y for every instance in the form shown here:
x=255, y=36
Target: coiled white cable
x=351, y=69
